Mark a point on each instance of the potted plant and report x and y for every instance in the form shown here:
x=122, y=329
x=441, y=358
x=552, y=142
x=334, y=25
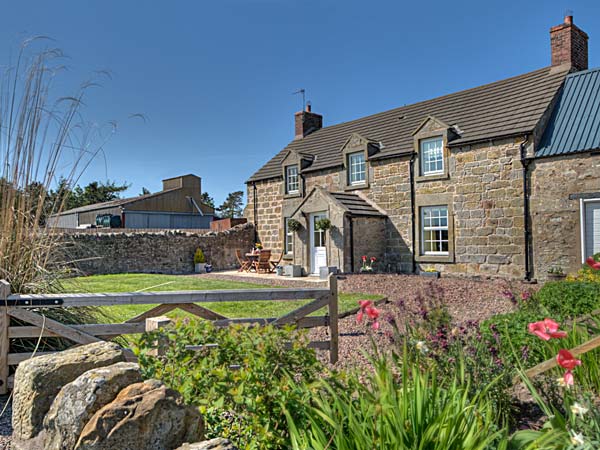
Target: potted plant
x=429, y=272
x=556, y=273
x=199, y=261
x=257, y=247
x=294, y=225
x=323, y=224
x=367, y=264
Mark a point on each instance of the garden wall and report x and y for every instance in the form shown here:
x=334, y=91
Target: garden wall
x=170, y=252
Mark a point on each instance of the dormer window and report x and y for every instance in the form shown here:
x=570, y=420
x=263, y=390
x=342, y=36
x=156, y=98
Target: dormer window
x=357, y=168
x=432, y=156
x=292, y=184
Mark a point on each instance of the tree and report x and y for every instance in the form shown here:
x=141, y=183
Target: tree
x=145, y=191
x=232, y=206
x=94, y=192
x=207, y=200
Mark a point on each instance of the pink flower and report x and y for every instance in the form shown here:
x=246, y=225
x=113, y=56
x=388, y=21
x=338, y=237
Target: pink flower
x=568, y=378
x=364, y=303
x=567, y=361
x=366, y=307
x=372, y=312
x=546, y=329
x=592, y=263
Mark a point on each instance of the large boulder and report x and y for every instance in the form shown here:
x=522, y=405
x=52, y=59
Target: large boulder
x=38, y=381
x=212, y=444
x=79, y=400
x=143, y=416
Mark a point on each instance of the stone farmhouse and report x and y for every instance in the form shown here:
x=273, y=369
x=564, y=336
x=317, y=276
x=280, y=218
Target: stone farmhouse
x=499, y=180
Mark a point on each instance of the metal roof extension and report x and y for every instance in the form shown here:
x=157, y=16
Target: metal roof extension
x=575, y=123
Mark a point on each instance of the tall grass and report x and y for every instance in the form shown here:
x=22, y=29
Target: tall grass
x=42, y=137
x=399, y=407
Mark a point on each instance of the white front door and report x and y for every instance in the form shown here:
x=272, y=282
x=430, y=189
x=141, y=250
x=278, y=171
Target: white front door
x=592, y=229
x=318, y=251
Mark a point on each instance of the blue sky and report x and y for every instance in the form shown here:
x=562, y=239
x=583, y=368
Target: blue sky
x=215, y=78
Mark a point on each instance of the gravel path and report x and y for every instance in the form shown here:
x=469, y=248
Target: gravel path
x=466, y=300
x=5, y=424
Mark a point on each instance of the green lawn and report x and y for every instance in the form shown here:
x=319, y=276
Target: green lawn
x=151, y=282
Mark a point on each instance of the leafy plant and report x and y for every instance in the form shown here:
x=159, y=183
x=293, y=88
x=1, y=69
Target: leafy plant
x=294, y=225
x=323, y=224
x=569, y=299
x=556, y=270
x=199, y=257
x=398, y=406
x=242, y=385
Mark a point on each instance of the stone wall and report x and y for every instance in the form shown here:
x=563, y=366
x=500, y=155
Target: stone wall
x=556, y=184
x=269, y=220
x=170, y=252
x=485, y=192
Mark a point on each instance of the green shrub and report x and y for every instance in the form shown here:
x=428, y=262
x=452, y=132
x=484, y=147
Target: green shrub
x=569, y=299
x=243, y=405
x=199, y=256
x=383, y=412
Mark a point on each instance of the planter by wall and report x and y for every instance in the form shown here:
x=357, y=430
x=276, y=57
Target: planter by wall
x=429, y=274
x=200, y=267
x=557, y=276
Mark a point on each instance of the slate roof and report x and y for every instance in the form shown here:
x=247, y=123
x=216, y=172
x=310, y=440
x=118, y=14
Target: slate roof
x=575, y=123
x=509, y=107
x=355, y=205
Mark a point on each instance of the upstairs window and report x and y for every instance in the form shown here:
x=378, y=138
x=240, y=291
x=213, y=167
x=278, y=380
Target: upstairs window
x=292, y=185
x=432, y=156
x=434, y=230
x=357, y=168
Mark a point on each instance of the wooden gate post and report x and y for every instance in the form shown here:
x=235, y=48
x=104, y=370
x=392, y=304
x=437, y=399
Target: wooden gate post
x=333, y=318
x=153, y=324
x=4, y=342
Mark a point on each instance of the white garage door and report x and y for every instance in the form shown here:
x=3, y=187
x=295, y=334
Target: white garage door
x=592, y=228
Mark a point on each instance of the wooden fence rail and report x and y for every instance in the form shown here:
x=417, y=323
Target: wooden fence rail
x=24, y=308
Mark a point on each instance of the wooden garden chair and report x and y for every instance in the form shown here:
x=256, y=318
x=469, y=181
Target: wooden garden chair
x=243, y=262
x=262, y=264
x=275, y=263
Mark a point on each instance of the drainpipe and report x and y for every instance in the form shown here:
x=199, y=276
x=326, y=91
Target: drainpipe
x=412, y=210
x=255, y=209
x=527, y=235
x=351, y=235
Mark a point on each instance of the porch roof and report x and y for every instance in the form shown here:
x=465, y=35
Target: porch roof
x=355, y=205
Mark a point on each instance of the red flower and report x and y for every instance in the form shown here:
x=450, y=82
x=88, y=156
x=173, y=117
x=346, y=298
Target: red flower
x=372, y=312
x=567, y=361
x=364, y=303
x=373, y=259
x=546, y=329
x=592, y=263
x=364, y=258
x=366, y=307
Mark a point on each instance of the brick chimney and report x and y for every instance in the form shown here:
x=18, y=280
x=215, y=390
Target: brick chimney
x=306, y=122
x=569, y=45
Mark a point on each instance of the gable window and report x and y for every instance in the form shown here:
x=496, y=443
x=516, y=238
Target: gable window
x=432, y=156
x=357, y=166
x=434, y=230
x=289, y=238
x=292, y=185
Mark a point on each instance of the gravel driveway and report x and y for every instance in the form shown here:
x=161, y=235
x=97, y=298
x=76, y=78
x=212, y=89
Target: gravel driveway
x=466, y=300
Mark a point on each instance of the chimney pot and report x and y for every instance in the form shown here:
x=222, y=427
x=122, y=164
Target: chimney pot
x=308, y=107
x=569, y=20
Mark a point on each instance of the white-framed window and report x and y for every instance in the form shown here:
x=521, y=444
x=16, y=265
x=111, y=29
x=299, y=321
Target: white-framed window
x=289, y=238
x=292, y=184
x=357, y=168
x=432, y=156
x=434, y=230
x=590, y=227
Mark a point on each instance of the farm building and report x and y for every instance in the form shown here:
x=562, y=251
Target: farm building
x=178, y=205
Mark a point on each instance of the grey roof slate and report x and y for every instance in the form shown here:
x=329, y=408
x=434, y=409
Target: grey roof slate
x=575, y=122
x=355, y=204
x=508, y=107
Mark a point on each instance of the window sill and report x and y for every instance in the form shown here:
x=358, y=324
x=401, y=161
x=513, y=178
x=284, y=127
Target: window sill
x=355, y=187
x=293, y=195
x=288, y=257
x=436, y=177
x=449, y=258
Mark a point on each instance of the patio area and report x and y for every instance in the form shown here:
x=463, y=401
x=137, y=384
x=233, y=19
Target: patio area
x=268, y=277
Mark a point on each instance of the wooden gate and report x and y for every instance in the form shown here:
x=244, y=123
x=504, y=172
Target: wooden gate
x=20, y=307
